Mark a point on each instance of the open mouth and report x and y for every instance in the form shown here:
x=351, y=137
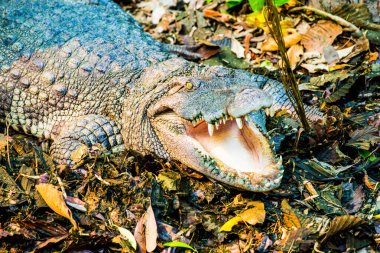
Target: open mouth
x=236, y=150
x=233, y=151
x=235, y=146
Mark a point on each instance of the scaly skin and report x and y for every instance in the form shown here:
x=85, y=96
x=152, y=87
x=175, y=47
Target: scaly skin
x=84, y=72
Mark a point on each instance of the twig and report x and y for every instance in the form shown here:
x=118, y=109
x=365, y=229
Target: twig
x=339, y=20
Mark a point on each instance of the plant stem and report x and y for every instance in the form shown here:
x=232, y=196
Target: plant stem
x=288, y=78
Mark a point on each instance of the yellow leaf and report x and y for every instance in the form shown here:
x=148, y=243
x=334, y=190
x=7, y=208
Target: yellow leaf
x=4, y=141
x=256, y=19
x=54, y=199
x=78, y=154
x=290, y=218
x=336, y=67
x=230, y=223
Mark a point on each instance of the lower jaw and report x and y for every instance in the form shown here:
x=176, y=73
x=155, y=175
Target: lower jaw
x=240, y=181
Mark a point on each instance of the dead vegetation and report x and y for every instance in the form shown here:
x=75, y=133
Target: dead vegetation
x=328, y=201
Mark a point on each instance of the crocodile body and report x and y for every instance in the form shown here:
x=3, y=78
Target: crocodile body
x=84, y=73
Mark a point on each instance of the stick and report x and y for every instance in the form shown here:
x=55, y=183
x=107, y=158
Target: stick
x=339, y=20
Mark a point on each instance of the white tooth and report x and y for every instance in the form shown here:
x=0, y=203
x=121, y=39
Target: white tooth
x=239, y=122
x=246, y=117
x=220, y=121
x=279, y=163
x=272, y=111
x=216, y=125
x=210, y=129
x=224, y=120
x=267, y=111
x=277, y=180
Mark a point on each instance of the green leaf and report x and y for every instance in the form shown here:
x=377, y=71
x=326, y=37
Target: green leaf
x=279, y=3
x=367, y=155
x=233, y=3
x=179, y=245
x=364, y=153
x=256, y=5
x=372, y=158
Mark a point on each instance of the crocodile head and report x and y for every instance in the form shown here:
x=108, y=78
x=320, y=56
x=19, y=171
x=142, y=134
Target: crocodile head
x=211, y=119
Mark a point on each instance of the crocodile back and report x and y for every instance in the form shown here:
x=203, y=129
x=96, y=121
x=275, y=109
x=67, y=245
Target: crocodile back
x=30, y=25
x=64, y=58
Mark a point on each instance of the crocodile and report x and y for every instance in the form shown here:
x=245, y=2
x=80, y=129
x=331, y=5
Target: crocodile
x=84, y=73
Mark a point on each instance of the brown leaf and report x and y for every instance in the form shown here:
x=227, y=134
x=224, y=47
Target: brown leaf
x=254, y=215
x=369, y=182
x=54, y=199
x=251, y=216
x=290, y=39
x=341, y=223
x=78, y=154
x=320, y=36
x=139, y=234
x=357, y=201
x=294, y=54
x=290, y=218
x=43, y=244
x=4, y=141
x=151, y=233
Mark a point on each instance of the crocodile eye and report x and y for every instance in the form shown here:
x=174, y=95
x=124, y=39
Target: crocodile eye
x=189, y=85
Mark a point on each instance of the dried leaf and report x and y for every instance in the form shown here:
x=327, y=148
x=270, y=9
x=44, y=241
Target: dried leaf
x=341, y=223
x=251, y=216
x=237, y=48
x=4, y=141
x=321, y=35
x=54, y=199
x=330, y=78
x=341, y=91
x=43, y=244
x=254, y=215
x=76, y=203
x=150, y=230
x=313, y=68
x=78, y=154
x=330, y=54
x=169, y=180
x=364, y=138
x=356, y=202
x=140, y=234
x=357, y=14
x=369, y=182
x=290, y=218
x=294, y=54
x=291, y=39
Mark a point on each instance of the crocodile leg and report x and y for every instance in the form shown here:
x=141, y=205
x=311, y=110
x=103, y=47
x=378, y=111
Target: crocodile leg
x=87, y=130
